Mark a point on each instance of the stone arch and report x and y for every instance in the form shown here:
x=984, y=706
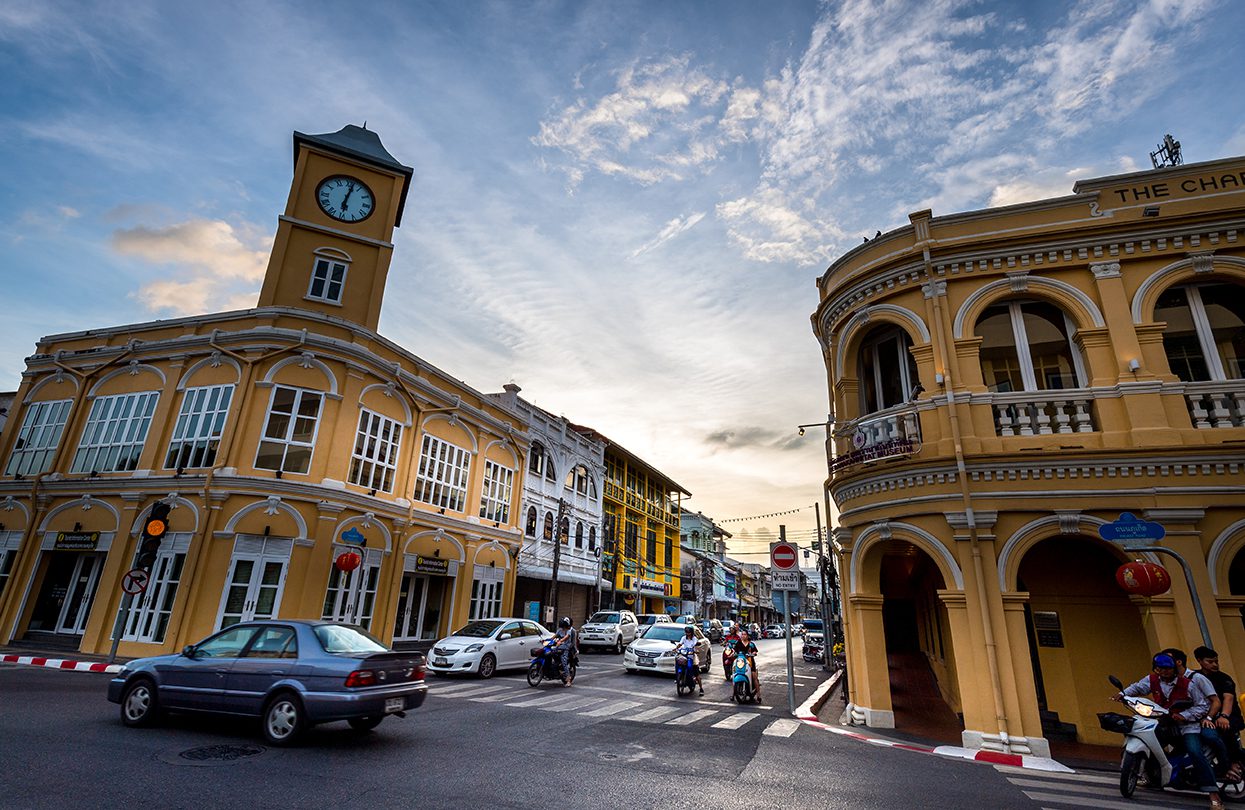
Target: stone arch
x=10, y=503
x=84, y=503
x=388, y=390
x=1191, y=267
x=493, y=548
x=176, y=502
x=1044, y=528
x=333, y=253
x=1225, y=548
x=50, y=380
x=858, y=325
x=134, y=369
x=1084, y=311
x=437, y=535
x=923, y=540
x=506, y=445
x=306, y=360
x=272, y=506
x=365, y=521
x=213, y=360
x=454, y=421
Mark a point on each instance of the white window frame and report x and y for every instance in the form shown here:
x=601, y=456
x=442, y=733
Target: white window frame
x=10, y=541
x=260, y=551
x=199, y=427
x=287, y=441
x=350, y=596
x=374, y=460
x=496, y=493
x=115, y=431
x=1028, y=376
x=1205, y=335
x=443, y=474
x=486, y=593
x=39, y=436
x=157, y=601
x=322, y=273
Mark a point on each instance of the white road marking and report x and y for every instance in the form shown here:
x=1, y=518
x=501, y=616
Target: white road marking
x=537, y=701
x=570, y=703
x=1073, y=777
x=612, y=709
x=781, y=727
x=652, y=714
x=1106, y=804
x=1097, y=790
x=496, y=697
x=736, y=720
x=474, y=690
x=691, y=717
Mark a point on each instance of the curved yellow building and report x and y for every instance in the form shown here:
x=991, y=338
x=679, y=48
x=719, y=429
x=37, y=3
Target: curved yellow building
x=1005, y=382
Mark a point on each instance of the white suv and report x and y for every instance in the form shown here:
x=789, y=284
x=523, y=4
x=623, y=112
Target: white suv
x=613, y=629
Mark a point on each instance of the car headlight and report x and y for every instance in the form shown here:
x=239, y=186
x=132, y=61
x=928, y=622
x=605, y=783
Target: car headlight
x=630, y=650
x=474, y=648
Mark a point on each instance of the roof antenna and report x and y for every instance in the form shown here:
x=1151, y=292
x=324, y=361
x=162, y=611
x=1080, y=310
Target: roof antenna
x=365, y=124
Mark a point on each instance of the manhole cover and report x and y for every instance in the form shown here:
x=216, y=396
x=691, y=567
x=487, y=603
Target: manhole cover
x=609, y=756
x=221, y=753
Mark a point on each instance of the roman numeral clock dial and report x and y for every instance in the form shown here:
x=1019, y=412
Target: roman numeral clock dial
x=345, y=198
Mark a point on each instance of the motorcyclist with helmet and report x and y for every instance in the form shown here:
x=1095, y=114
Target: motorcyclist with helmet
x=746, y=647
x=730, y=635
x=566, y=642
x=687, y=647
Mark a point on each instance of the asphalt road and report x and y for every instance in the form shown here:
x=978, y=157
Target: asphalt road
x=609, y=741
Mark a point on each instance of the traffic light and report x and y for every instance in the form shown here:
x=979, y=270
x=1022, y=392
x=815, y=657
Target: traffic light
x=154, y=528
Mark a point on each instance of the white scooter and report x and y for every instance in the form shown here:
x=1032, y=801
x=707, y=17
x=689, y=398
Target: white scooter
x=1145, y=752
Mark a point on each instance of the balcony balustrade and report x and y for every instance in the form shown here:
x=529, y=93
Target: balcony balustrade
x=1040, y=413
x=1216, y=404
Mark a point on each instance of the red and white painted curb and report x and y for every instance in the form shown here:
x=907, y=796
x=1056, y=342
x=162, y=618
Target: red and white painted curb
x=58, y=663
x=807, y=714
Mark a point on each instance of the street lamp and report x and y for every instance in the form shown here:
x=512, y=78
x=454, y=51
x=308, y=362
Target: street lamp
x=827, y=423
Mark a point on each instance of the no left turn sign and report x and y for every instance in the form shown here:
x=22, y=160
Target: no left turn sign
x=135, y=581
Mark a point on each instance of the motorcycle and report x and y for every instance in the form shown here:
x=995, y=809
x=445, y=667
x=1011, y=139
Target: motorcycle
x=685, y=667
x=547, y=664
x=728, y=655
x=741, y=675
x=813, y=649
x=1154, y=755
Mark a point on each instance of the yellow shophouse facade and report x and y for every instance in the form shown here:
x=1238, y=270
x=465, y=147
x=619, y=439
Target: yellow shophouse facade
x=282, y=437
x=1005, y=382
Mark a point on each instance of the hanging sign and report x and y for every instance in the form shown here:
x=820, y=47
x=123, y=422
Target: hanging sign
x=1130, y=531
x=431, y=565
x=76, y=541
x=353, y=537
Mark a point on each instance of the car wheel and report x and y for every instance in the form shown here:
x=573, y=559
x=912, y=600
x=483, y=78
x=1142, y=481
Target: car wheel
x=365, y=723
x=488, y=665
x=618, y=646
x=284, y=719
x=139, y=704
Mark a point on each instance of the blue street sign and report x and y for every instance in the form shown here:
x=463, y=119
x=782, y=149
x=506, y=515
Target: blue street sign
x=354, y=537
x=1129, y=527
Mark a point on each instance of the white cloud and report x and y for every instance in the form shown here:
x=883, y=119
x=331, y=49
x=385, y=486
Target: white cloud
x=673, y=228
x=224, y=264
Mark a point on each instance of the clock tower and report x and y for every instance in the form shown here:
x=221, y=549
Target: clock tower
x=335, y=240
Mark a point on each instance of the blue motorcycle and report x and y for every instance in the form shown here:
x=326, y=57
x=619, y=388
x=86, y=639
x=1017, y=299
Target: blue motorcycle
x=685, y=667
x=741, y=676
x=547, y=664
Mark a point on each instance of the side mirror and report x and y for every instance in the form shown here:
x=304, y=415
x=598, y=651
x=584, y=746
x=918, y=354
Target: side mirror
x=189, y=651
x=1115, y=682
x=504, y=636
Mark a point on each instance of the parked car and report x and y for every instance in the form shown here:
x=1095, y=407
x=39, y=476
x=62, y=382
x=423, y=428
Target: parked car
x=713, y=629
x=686, y=619
x=291, y=673
x=646, y=620
x=486, y=645
x=655, y=652
x=613, y=629
x=775, y=631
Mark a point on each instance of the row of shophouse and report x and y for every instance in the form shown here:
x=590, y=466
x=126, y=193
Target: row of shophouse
x=291, y=440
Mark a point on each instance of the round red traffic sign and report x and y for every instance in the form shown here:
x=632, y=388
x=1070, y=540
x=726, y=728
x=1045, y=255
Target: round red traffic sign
x=783, y=556
x=135, y=581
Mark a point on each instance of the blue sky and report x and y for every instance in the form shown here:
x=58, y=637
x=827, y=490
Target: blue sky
x=620, y=206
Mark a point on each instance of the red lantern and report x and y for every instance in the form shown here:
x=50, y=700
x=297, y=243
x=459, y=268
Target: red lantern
x=1143, y=578
x=348, y=561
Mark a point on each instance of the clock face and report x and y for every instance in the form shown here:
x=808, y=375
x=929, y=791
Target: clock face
x=345, y=198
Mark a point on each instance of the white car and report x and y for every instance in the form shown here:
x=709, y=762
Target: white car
x=647, y=620
x=655, y=651
x=486, y=645
x=614, y=629
x=775, y=631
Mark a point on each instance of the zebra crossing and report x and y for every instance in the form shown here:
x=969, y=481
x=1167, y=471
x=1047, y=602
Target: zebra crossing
x=1059, y=791
x=599, y=706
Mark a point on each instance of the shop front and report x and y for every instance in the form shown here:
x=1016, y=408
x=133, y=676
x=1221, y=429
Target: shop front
x=422, y=597
x=67, y=577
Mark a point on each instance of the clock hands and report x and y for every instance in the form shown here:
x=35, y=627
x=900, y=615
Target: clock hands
x=346, y=199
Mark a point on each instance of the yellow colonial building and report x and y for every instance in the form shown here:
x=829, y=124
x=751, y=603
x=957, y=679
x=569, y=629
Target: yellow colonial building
x=283, y=437
x=1004, y=383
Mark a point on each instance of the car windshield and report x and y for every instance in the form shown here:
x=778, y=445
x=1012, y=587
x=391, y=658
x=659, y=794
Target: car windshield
x=604, y=618
x=648, y=620
x=479, y=629
x=664, y=632
x=342, y=640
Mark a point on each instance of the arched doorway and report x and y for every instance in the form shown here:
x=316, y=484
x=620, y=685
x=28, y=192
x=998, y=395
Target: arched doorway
x=1082, y=628
x=924, y=687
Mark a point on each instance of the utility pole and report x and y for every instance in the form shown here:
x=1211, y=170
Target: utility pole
x=827, y=636
x=557, y=556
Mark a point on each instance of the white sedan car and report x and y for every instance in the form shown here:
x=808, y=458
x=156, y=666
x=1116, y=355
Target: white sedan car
x=486, y=645
x=655, y=651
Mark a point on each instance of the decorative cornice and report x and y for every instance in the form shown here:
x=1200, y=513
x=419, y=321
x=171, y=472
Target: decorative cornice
x=1103, y=270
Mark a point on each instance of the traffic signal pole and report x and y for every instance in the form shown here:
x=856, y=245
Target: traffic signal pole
x=154, y=528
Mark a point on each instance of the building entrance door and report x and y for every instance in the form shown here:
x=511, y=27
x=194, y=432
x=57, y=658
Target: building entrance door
x=419, y=608
x=64, y=601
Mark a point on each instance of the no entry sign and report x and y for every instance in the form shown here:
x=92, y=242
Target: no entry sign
x=783, y=557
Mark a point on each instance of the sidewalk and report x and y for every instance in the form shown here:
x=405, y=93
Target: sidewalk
x=59, y=659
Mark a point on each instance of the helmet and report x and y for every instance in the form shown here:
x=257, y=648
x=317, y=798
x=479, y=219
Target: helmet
x=687, y=629
x=565, y=621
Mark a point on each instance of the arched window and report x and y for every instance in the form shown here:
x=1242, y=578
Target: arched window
x=579, y=534
x=1205, y=334
x=577, y=480
x=564, y=536
x=536, y=459
x=592, y=538
x=887, y=370
x=530, y=529
x=1025, y=347
x=549, y=525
